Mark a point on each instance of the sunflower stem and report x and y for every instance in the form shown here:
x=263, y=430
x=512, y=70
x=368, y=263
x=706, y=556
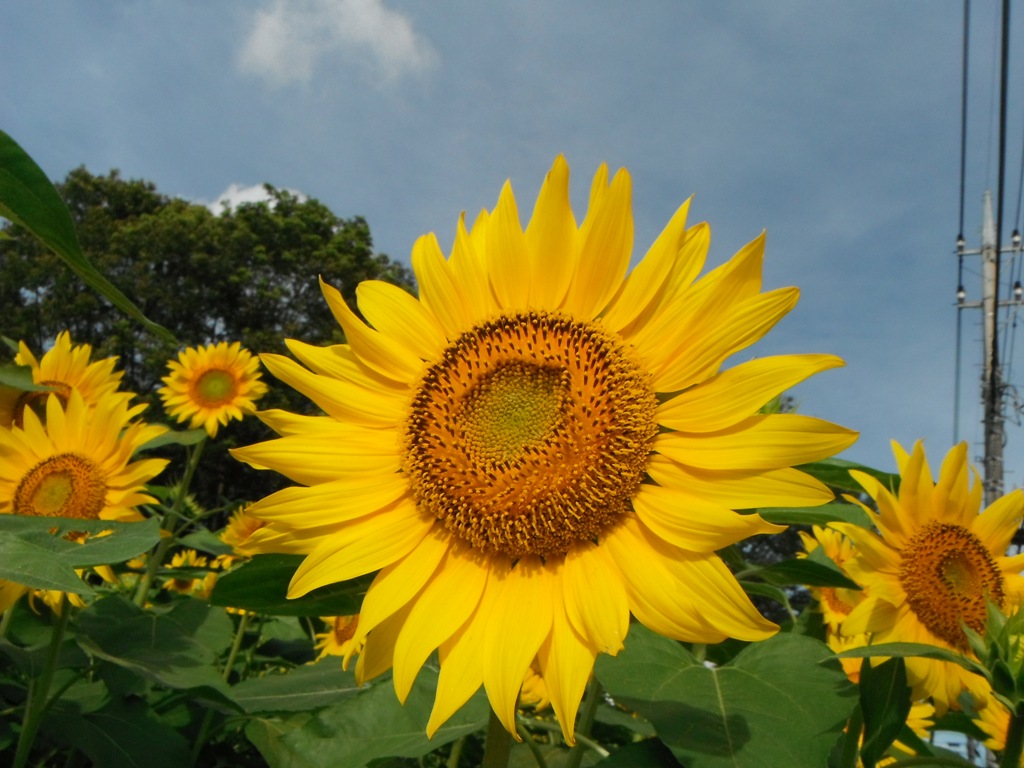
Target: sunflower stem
x=594, y=695
x=39, y=689
x=204, y=729
x=1014, y=740
x=527, y=737
x=170, y=525
x=498, y=746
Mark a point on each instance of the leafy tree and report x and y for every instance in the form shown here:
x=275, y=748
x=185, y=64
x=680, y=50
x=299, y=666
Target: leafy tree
x=246, y=274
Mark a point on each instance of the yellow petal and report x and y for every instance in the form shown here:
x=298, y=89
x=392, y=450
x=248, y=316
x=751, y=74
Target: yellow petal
x=595, y=598
x=566, y=662
x=650, y=277
x=517, y=625
x=737, y=489
x=342, y=400
x=605, y=241
x=363, y=546
x=551, y=238
x=401, y=317
x=739, y=392
x=335, y=501
x=462, y=671
x=760, y=442
x=439, y=288
x=1000, y=521
x=377, y=351
x=444, y=605
x=682, y=360
x=470, y=273
x=378, y=653
x=340, y=362
x=322, y=456
x=512, y=274
x=693, y=523
x=398, y=583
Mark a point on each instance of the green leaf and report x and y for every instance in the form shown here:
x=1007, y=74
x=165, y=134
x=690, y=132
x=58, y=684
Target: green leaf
x=369, y=725
x=835, y=473
x=300, y=690
x=175, y=437
x=779, y=702
x=261, y=586
x=31, y=565
x=885, y=702
x=823, y=515
x=159, y=647
x=913, y=649
x=20, y=377
x=206, y=540
x=123, y=734
x=35, y=552
x=649, y=753
x=29, y=199
x=805, y=571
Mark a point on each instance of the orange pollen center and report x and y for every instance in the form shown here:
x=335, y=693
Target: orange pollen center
x=36, y=401
x=530, y=433
x=214, y=388
x=830, y=596
x=66, y=485
x=345, y=628
x=948, y=574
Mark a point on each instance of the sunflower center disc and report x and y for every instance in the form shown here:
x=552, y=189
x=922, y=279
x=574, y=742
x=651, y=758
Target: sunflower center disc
x=215, y=387
x=66, y=485
x=530, y=433
x=948, y=574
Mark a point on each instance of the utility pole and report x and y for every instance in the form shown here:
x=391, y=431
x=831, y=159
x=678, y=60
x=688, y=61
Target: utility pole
x=992, y=385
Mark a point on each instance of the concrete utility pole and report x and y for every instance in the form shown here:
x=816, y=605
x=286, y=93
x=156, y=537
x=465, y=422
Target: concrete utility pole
x=992, y=385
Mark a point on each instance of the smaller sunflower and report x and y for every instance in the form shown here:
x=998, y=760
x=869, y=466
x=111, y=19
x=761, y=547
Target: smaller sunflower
x=935, y=563
x=64, y=367
x=79, y=465
x=208, y=386
x=340, y=638
x=188, y=582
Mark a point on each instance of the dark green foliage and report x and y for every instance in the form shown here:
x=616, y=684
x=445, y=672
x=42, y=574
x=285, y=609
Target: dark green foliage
x=248, y=274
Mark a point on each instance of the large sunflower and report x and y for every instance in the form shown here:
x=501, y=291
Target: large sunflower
x=62, y=368
x=78, y=464
x=539, y=446
x=208, y=386
x=933, y=565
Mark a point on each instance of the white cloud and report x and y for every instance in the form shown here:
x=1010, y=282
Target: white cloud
x=236, y=194
x=289, y=37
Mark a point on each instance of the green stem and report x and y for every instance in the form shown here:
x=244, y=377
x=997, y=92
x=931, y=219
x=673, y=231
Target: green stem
x=593, y=698
x=1014, y=740
x=851, y=744
x=204, y=729
x=39, y=689
x=5, y=621
x=930, y=760
x=456, y=753
x=526, y=737
x=498, y=746
x=170, y=525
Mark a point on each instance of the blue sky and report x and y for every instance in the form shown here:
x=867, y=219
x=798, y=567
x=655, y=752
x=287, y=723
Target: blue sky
x=835, y=126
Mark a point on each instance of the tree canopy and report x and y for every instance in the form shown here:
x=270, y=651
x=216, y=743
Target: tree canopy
x=248, y=273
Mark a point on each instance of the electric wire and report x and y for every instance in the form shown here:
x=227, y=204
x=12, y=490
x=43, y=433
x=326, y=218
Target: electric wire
x=960, y=231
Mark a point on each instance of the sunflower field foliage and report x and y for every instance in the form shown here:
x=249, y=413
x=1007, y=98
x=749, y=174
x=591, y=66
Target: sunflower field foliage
x=517, y=517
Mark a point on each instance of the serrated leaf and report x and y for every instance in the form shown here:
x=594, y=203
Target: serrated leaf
x=123, y=734
x=29, y=199
x=261, y=586
x=40, y=553
x=159, y=647
x=301, y=689
x=782, y=701
x=369, y=725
